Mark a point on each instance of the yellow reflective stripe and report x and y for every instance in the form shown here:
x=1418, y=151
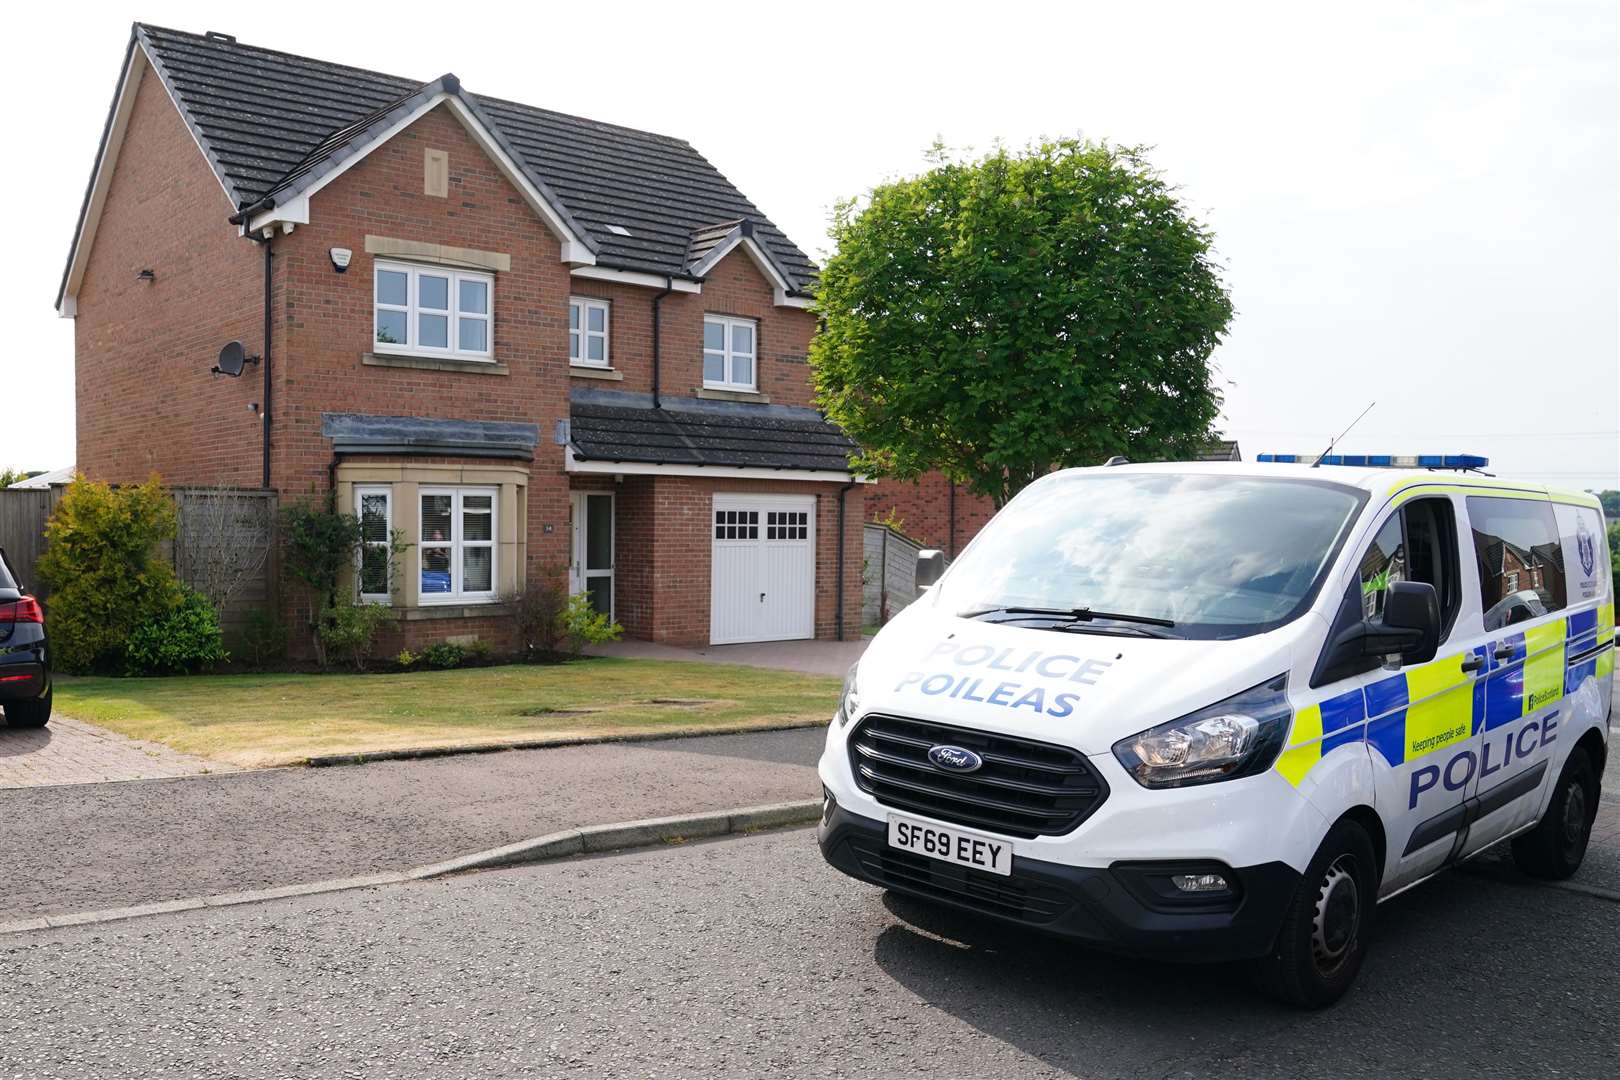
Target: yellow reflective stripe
x=1506, y=489
x=1605, y=621
x=1304, y=745
x=1605, y=663
x=1438, y=715
x=1543, y=665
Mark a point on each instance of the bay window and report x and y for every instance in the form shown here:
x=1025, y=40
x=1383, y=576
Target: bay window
x=375, y=507
x=457, y=544
x=429, y=309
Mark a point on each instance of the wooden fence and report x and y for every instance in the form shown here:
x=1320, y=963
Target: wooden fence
x=222, y=534
x=889, y=582
x=23, y=514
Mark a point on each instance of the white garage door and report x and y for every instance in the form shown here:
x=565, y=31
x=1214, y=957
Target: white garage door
x=763, y=575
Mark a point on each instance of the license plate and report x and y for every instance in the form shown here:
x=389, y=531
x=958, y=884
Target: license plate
x=990, y=854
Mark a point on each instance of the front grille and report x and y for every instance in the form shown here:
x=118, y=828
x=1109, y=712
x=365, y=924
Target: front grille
x=992, y=894
x=1024, y=788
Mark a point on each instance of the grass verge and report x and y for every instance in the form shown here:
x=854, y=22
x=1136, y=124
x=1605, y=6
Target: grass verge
x=258, y=720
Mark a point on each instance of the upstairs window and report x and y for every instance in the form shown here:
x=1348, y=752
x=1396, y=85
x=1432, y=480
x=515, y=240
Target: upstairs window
x=728, y=353
x=588, y=333
x=425, y=309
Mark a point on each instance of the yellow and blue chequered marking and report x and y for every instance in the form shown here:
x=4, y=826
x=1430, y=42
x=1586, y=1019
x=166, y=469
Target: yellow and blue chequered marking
x=1429, y=708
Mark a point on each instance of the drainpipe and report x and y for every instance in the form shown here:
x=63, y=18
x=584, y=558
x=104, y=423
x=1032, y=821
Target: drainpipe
x=951, y=544
x=264, y=362
x=669, y=287
x=840, y=606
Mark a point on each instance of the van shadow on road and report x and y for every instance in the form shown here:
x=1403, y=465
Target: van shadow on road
x=1466, y=977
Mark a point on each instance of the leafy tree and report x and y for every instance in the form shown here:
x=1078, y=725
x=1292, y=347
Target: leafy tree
x=107, y=578
x=9, y=476
x=1000, y=317
x=1614, y=552
x=1611, y=503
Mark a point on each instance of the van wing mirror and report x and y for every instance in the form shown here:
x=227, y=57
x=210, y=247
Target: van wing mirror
x=1412, y=608
x=930, y=567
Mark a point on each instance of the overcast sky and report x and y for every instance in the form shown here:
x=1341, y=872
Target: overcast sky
x=1417, y=204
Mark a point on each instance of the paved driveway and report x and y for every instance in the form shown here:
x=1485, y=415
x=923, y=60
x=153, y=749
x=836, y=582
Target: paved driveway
x=70, y=751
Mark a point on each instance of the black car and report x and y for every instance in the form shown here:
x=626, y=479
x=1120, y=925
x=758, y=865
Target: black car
x=25, y=670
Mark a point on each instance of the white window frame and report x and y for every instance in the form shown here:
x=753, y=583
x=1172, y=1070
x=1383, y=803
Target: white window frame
x=413, y=310
x=360, y=494
x=580, y=357
x=729, y=354
x=457, y=545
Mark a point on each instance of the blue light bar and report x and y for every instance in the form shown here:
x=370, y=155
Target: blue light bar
x=1386, y=461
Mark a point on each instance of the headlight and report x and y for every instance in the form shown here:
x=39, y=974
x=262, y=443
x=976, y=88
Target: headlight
x=850, y=699
x=1240, y=736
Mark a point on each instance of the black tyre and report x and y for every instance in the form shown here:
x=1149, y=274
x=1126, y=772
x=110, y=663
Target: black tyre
x=31, y=714
x=1555, y=847
x=1323, y=937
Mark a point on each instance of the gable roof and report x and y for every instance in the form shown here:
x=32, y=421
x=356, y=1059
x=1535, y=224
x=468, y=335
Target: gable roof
x=272, y=124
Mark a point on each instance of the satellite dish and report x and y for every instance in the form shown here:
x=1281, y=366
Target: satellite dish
x=231, y=359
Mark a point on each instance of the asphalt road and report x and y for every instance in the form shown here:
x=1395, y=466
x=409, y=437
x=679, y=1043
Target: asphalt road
x=749, y=957
x=94, y=846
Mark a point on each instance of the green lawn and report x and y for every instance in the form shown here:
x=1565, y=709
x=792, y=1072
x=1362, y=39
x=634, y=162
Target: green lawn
x=258, y=720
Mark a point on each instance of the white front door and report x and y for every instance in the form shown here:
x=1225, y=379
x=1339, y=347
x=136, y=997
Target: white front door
x=763, y=572
x=590, y=570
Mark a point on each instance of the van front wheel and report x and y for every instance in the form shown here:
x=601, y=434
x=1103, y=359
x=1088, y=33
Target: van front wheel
x=1322, y=941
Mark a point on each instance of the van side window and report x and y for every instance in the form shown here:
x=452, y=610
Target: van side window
x=1521, y=561
x=1417, y=544
x=1382, y=566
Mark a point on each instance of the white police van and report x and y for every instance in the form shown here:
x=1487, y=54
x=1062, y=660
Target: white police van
x=1217, y=711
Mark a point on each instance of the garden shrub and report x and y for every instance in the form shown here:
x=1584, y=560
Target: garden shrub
x=583, y=625
x=539, y=610
x=479, y=653
x=443, y=655
x=105, y=573
x=264, y=638
x=346, y=631
x=179, y=641
x=406, y=660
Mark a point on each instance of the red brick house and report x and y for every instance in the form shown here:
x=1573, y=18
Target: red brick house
x=531, y=343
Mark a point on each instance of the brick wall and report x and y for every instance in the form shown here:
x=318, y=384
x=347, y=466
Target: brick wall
x=142, y=389
x=923, y=507
x=146, y=400
x=665, y=546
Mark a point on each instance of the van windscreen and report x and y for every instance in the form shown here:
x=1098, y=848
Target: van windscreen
x=1219, y=556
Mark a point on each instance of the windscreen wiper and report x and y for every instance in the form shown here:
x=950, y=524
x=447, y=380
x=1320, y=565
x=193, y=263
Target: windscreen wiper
x=1075, y=614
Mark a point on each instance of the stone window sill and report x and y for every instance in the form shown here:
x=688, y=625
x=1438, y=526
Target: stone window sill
x=733, y=395
x=452, y=611
x=580, y=371
x=433, y=363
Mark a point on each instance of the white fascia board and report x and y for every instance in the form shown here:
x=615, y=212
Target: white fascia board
x=297, y=211
x=106, y=163
x=574, y=249
x=635, y=277
x=707, y=472
x=780, y=286
x=784, y=300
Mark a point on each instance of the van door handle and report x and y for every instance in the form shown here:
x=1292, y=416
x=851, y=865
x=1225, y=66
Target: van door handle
x=1473, y=663
x=1503, y=653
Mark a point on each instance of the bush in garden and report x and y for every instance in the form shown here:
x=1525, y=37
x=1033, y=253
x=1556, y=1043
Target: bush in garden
x=583, y=625
x=346, y=631
x=180, y=641
x=479, y=653
x=264, y=638
x=443, y=655
x=538, y=611
x=106, y=576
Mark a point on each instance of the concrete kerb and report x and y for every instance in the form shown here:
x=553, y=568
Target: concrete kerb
x=412, y=753
x=589, y=840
